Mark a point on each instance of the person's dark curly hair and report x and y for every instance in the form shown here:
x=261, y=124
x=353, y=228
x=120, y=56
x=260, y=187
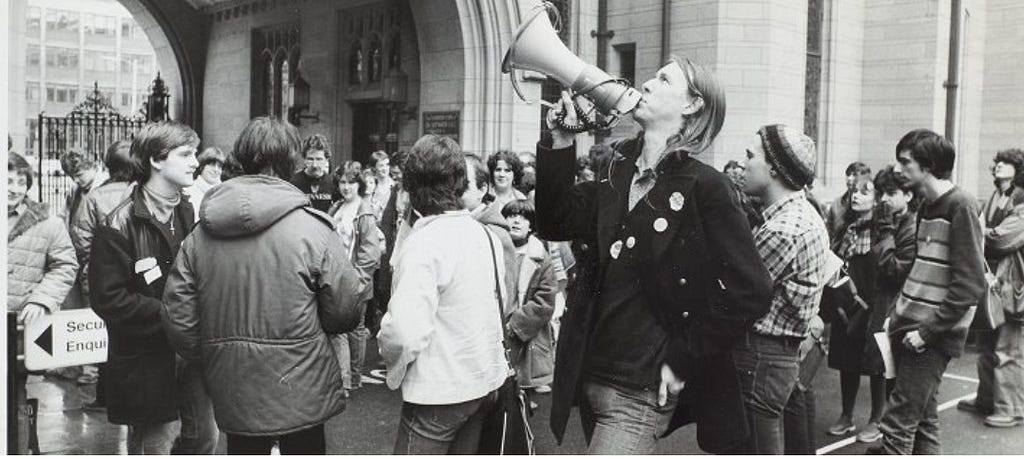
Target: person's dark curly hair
x=1015, y=158
x=316, y=142
x=512, y=160
x=435, y=175
x=888, y=180
x=341, y=175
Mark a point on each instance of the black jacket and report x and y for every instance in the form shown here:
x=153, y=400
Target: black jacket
x=140, y=374
x=702, y=274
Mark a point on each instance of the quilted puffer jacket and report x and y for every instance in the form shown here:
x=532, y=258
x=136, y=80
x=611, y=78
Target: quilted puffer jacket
x=41, y=265
x=254, y=292
x=94, y=208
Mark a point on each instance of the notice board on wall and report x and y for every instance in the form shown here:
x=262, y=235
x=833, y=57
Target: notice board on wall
x=442, y=123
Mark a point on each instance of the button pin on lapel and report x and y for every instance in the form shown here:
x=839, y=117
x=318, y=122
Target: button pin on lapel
x=660, y=225
x=630, y=242
x=616, y=248
x=676, y=201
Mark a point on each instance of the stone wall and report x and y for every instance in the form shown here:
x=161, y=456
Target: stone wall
x=1002, y=117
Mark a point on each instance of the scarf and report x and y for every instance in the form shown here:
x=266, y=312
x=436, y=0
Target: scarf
x=161, y=206
x=856, y=240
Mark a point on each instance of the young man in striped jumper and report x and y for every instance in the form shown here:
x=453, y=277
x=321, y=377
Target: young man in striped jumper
x=928, y=326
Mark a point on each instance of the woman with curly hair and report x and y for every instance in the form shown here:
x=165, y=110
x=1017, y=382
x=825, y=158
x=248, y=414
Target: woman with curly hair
x=1001, y=361
x=506, y=171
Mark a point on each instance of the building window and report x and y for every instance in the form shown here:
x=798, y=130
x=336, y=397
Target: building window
x=61, y=21
x=551, y=89
x=275, y=56
x=51, y=94
x=100, y=25
x=32, y=91
x=62, y=58
x=812, y=78
x=34, y=19
x=627, y=61
x=32, y=55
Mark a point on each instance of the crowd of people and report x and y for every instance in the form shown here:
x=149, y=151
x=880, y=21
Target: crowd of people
x=240, y=290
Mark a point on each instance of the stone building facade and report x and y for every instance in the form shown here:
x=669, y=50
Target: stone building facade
x=856, y=74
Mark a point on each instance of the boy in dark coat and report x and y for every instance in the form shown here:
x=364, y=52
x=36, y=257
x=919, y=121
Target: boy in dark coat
x=132, y=252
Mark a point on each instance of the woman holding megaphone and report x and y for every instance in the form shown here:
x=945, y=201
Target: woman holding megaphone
x=646, y=341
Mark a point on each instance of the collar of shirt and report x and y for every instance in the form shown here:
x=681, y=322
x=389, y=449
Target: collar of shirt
x=17, y=210
x=778, y=206
x=451, y=213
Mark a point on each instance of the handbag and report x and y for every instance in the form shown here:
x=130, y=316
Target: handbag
x=506, y=428
x=993, y=303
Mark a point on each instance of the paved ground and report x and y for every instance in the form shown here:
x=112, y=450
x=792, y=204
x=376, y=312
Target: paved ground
x=369, y=423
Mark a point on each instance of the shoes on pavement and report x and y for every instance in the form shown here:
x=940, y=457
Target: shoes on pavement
x=870, y=433
x=545, y=389
x=875, y=451
x=973, y=407
x=999, y=420
x=842, y=427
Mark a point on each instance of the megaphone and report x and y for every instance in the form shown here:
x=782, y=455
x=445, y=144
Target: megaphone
x=536, y=47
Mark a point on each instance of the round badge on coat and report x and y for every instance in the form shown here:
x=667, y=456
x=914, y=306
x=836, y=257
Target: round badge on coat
x=676, y=201
x=630, y=242
x=616, y=248
x=660, y=225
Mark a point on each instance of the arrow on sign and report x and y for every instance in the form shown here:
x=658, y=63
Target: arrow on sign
x=45, y=340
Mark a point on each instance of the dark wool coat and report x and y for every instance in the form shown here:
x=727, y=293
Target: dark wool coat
x=140, y=376
x=701, y=273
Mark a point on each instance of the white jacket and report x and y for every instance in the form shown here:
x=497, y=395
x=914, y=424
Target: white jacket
x=441, y=336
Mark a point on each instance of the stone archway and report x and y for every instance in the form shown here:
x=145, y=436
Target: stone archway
x=179, y=34
x=471, y=61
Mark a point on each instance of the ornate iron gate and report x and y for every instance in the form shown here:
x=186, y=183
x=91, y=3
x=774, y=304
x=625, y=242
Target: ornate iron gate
x=92, y=126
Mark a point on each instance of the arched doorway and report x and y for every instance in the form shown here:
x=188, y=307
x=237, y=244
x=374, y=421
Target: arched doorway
x=179, y=35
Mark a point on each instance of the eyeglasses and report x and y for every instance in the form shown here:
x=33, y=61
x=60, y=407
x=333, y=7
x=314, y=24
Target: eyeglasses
x=316, y=160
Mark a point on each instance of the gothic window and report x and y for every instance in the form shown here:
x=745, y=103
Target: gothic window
x=376, y=66
x=551, y=89
x=355, y=64
x=275, y=57
x=395, y=51
x=269, y=90
x=812, y=78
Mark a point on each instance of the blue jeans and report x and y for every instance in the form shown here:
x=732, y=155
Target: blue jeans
x=910, y=424
x=443, y=429
x=199, y=433
x=768, y=370
x=350, y=349
x=1001, y=371
x=623, y=420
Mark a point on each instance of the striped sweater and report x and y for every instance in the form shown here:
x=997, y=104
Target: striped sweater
x=948, y=275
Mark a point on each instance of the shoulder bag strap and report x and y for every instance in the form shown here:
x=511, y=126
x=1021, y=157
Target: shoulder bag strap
x=497, y=294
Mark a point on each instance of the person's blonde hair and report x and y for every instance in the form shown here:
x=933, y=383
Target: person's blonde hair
x=700, y=128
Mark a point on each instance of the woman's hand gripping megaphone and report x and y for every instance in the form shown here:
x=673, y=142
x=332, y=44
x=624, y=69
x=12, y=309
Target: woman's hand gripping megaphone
x=559, y=114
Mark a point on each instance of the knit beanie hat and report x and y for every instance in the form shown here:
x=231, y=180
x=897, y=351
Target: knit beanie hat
x=791, y=153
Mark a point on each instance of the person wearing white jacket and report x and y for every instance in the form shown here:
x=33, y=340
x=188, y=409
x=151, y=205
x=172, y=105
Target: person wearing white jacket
x=442, y=337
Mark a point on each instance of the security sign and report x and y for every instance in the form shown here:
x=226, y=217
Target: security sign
x=64, y=339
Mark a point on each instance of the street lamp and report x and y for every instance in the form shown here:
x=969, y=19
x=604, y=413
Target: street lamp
x=298, y=98
x=158, y=101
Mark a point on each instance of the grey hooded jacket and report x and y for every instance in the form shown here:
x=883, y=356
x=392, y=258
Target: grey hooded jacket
x=257, y=287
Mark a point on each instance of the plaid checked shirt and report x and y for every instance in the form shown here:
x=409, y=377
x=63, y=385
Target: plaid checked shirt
x=793, y=243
